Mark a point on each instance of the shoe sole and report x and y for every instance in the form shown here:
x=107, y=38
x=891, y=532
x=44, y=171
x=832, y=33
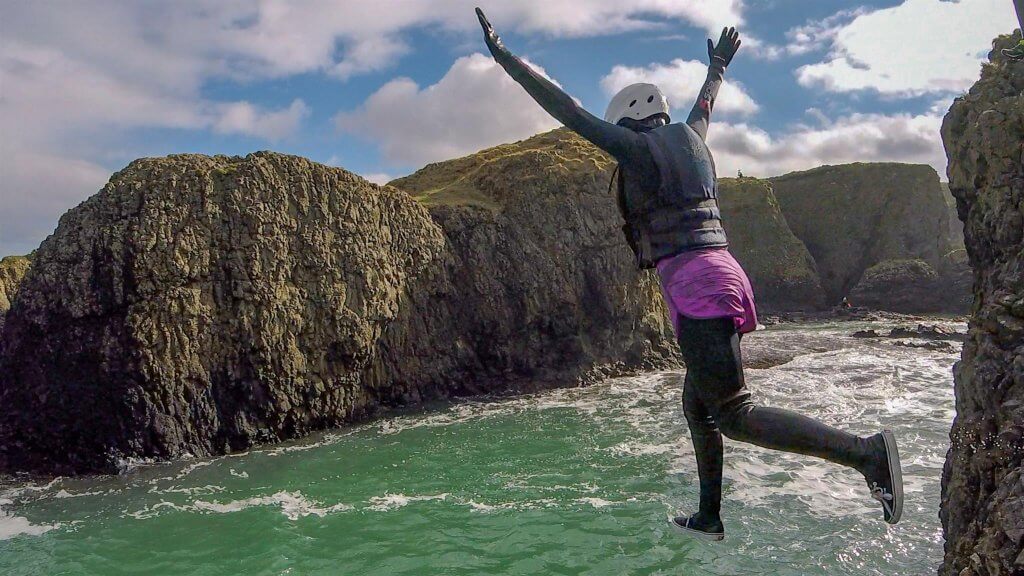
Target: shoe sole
x=696, y=533
x=896, y=474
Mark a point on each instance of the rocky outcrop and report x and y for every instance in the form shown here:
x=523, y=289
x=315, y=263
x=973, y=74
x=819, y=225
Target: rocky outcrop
x=983, y=481
x=900, y=285
x=780, y=268
x=537, y=287
x=12, y=270
x=199, y=305
x=856, y=216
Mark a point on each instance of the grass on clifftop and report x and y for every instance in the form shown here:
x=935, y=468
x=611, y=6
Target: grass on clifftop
x=457, y=182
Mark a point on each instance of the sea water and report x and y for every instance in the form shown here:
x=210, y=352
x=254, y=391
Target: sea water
x=571, y=481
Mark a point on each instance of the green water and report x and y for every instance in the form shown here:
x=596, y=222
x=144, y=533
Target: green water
x=575, y=481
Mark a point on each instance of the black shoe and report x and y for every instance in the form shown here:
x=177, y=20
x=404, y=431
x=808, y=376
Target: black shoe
x=694, y=526
x=884, y=476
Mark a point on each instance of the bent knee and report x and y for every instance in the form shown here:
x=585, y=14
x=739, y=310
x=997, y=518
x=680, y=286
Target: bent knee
x=731, y=419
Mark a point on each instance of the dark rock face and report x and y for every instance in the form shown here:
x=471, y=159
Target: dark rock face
x=983, y=480
x=201, y=305
x=856, y=216
x=780, y=268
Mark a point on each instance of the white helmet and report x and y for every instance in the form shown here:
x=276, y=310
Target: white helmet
x=637, y=101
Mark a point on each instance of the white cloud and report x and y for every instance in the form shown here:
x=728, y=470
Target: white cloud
x=853, y=138
x=36, y=190
x=75, y=76
x=811, y=36
x=918, y=47
x=475, y=105
x=245, y=118
x=378, y=177
x=680, y=80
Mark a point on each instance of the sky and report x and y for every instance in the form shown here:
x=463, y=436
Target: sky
x=382, y=88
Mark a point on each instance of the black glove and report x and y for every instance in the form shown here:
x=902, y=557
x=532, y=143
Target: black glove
x=728, y=44
x=490, y=36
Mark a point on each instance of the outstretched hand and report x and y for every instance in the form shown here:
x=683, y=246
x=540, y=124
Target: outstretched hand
x=728, y=44
x=490, y=36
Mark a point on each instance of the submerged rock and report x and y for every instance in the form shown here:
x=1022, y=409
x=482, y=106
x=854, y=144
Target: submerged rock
x=983, y=481
x=857, y=216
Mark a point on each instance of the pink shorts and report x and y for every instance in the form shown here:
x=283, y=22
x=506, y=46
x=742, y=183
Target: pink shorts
x=707, y=283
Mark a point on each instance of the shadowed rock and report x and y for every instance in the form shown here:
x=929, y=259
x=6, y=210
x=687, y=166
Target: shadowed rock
x=202, y=305
x=983, y=481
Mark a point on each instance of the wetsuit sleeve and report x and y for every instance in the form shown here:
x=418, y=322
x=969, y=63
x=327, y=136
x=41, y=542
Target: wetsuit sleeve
x=615, y=140
x=700, y=116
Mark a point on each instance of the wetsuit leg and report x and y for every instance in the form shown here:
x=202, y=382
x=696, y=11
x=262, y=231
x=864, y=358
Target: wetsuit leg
x=1019, y=6
x=707, y=445
x=711, y=349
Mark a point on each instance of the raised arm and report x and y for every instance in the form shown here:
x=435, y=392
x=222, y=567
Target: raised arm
x=721, y=56
x=616, y=140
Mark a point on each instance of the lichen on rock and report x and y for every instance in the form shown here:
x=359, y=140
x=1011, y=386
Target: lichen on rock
x=983, y=480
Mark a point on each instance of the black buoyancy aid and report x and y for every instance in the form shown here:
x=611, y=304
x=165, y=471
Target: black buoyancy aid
x=682, y=212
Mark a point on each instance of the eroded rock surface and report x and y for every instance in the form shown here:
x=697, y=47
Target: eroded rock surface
x=537, y=286
x=983, y=480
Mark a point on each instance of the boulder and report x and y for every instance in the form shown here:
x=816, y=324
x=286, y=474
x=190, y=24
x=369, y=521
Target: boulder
x=982, y=508
x=903, y=285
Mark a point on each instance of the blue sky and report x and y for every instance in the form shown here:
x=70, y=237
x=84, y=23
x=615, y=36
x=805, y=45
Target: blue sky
x=382, y=88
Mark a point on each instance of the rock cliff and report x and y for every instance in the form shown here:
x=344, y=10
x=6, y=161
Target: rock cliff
x=780, y=268
x=857, y=216
x=199, y=305
x=537, y=287
x=983, y=481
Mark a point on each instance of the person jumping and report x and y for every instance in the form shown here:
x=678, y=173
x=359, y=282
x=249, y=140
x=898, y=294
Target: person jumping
x=668, y=197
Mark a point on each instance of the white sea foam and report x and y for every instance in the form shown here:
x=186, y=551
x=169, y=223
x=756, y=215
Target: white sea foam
x=595, y=502
x=393, y=501
x=293, y=505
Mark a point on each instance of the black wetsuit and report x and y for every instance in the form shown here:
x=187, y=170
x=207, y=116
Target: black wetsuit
x=715, y=398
